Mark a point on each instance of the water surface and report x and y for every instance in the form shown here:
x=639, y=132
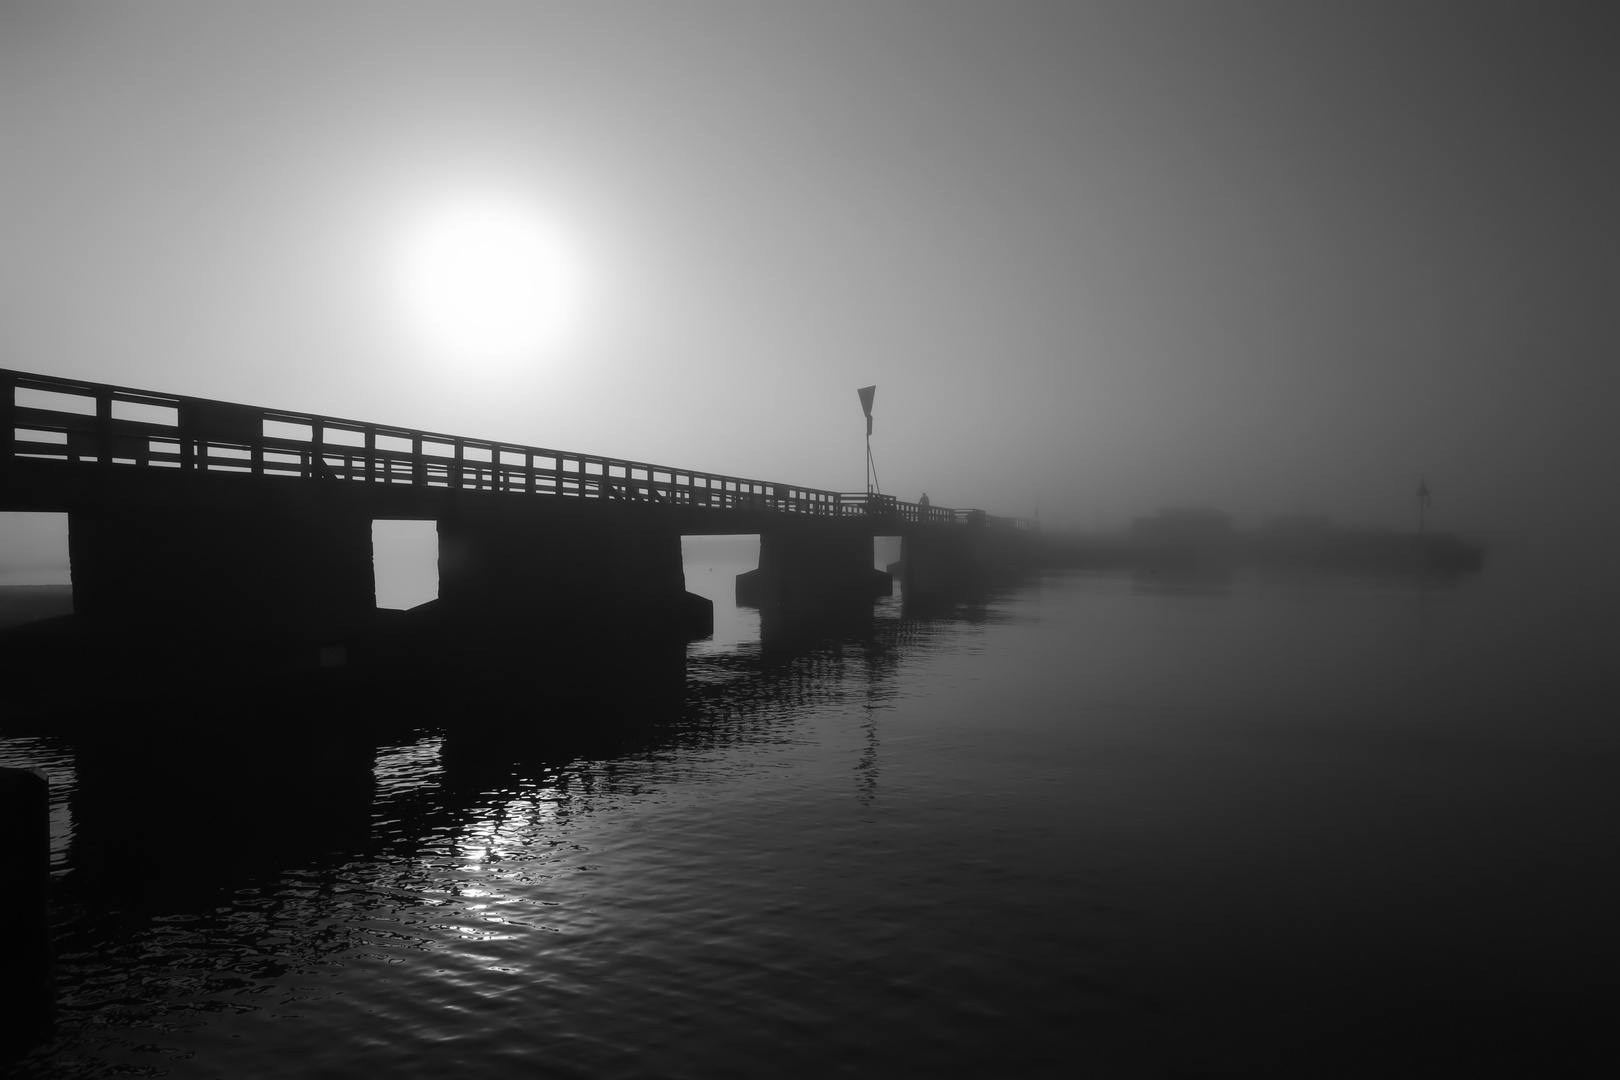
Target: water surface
x=1099, y=824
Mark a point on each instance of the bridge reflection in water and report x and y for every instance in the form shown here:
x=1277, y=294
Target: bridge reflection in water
x=239, y=816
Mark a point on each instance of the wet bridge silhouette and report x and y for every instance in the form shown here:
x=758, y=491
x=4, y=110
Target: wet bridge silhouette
x=184, y=508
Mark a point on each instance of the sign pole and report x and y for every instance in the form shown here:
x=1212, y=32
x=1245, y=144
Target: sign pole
x=867, y=393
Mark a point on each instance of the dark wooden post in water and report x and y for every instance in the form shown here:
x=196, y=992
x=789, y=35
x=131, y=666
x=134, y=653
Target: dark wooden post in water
x=25, y=852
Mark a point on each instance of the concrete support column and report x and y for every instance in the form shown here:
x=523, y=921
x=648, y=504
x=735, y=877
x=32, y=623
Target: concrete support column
x=813, y=569
x=291, y=563
x=582, y=576
x=935, y=563
x=939, y=562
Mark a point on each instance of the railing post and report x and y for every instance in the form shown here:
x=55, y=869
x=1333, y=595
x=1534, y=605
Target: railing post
x=256, y=449
x=317, y=440
x=455, y=481
x=104, y=441
x=418, y=462
x=371, y=454
x=186, y=423
x=143, y=457
x=8, y=424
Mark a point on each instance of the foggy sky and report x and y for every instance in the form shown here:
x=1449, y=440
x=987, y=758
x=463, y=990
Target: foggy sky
x=1097, y=257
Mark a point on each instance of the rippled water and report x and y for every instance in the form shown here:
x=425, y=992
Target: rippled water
x=1096, y=825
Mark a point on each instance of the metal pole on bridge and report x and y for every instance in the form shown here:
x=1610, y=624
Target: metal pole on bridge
x=867, y=394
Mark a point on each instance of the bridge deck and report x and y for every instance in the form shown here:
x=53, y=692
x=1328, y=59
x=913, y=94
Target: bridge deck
x=49, y=419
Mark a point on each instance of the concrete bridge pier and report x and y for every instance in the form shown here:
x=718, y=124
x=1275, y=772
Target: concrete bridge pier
x=814, y=572
x=941, y=563
x=591, y=576
x=299, y=562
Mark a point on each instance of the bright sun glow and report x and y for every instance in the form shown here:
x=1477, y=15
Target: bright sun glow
x=489, y=279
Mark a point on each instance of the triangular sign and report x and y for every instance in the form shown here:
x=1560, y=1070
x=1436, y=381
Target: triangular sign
x=867, y=393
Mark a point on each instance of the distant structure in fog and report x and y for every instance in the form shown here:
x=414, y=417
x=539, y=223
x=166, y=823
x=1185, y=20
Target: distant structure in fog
x=1183, y=535
x=1200, y=539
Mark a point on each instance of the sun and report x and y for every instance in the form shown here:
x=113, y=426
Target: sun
x=487, y=279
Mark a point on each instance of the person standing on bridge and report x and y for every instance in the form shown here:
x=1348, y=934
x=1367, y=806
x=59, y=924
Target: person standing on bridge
x=923, y=502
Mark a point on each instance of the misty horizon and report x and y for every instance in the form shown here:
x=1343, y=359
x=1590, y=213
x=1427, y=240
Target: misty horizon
x=1096, y=258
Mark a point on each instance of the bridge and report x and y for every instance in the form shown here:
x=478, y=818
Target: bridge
x=190, y=511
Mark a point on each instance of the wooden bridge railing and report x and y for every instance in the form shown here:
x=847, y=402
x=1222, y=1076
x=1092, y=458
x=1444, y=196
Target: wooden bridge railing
x=47, y=418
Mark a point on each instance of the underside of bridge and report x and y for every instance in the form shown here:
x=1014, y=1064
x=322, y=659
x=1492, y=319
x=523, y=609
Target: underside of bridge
x=302, y=563
x=298, y=558
x=294, y=558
